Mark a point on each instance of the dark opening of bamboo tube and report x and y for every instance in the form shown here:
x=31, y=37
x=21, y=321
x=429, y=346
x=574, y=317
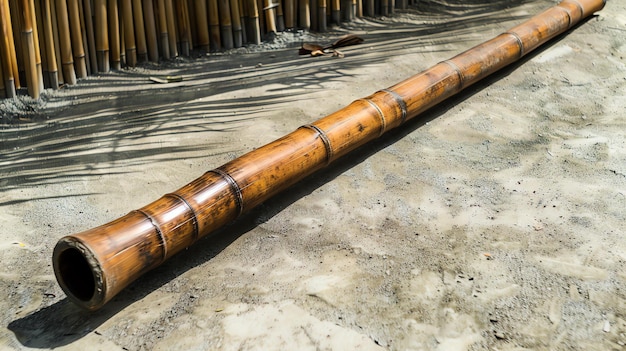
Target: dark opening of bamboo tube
x=93, y=266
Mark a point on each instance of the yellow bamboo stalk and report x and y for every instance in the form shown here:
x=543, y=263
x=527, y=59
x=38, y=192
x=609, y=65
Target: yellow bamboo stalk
x=202, y=23
x=226, y=27
x=290, y=14
x=51, y=61
x=235, y=16
x=91, y=40
x=171, y=28
x=313, y=7
x=67, y=59
x=114, y=34
x=140, y=32
x=151, y=36
x=214, y=26
x=83, y=31
x=243, y=17
x=15, y=46
x=280, y=18
x=122, y=44
x=6, y=58
x=39, y=40
x=304, y=14
x=336, y=11
x=57, y=40
x=321, y=16
x=163, y=34
x=270, y=17
x=77, y=39
x=184, y=27
x=102, y=37
x=28, y=45
x=370, y=8
x=129, y=33
x=261, y=4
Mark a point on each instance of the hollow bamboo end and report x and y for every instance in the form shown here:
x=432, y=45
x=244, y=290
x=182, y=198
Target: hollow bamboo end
x=79, y=273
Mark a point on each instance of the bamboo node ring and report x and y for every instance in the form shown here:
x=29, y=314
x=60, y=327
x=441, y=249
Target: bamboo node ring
x=520, y=43
x=400, y=102
x=458, y=71
x=325, y=140
x=381, y=114
x=196, y=230
x=234, y=186
x=158, y=230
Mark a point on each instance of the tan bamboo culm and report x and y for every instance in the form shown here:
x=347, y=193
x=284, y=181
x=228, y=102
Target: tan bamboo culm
x=93, y=266
x=70, y=39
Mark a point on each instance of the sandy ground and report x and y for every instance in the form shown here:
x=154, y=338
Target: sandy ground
x=494, y=222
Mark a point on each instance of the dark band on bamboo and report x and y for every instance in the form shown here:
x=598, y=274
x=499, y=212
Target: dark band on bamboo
x=234, y=186
x=196, y=229
x=158, y=230
x=569, y=17
x=400, y=101
x=520, y=43
x=325, y=140
x=381, y=114
x=458, y=71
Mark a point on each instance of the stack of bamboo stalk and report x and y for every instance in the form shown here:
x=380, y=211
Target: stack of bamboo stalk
x=84, y=37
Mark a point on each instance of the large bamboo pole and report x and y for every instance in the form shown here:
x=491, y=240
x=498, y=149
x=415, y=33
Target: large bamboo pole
x=184, y=25
x=6, y=57
x=67, y=63
x=30, y=56
x=304, y=14
x=91, y=39
x=102, y=37
x=78, y=47
x=290, y=14
x=35, y=13
x=226, y=26
x=93, y=266
x=171, y=28
x=335, y=11
x=236, y=21
x=129, y=33
x=151, y=35
x=321, y=15
x=253, y=25
x=3, y=93
x=203, y=24
x=163, y=34
x=214, y=26
x=51, y=60
x=270, y=17
x=83, y=30
x=115, y=41
x=57, y=40
x=140, y=32
x=17, y=51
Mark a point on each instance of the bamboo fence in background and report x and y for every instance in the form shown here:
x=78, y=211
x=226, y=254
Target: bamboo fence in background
x=47, y=43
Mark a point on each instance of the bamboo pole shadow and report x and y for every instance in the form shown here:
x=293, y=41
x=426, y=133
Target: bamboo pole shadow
x=63, y=323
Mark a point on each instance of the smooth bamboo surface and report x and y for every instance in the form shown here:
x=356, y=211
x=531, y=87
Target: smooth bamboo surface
x=102, y=36
x=93, y=266
x=114, y=35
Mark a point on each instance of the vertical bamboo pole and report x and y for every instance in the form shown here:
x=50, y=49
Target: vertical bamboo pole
x=261, y=4
x=359, y=8
x=16, y=43
x=370, y=8
x=391, y=6
x=243, y=16
x=77, y=39
x=314, y=8
x=270, y=17
x=321, y=16
x=28, y=45
x=83, y=30
x=254, y=33
x=91, y=40
x=184, y=26
x=280, y=17
x=57, y=41
x=214, y=26
x=163, y=33
x=140, y=32
x=3, y=93
x=6, y=58
x=122, y=44
x=51, y=61
x=15, y=46
x=151, y=36
x=114, y=34
x=335, y=11
x=202, y=29
x=384, y=7
x=40, y=40
x=102, y=37
x=129, y=33
x=235, y=13
x=171, y=27
x=304, y=14
x=289, y=13
x=67, y=59
x=353, y=10
x=226, y=27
